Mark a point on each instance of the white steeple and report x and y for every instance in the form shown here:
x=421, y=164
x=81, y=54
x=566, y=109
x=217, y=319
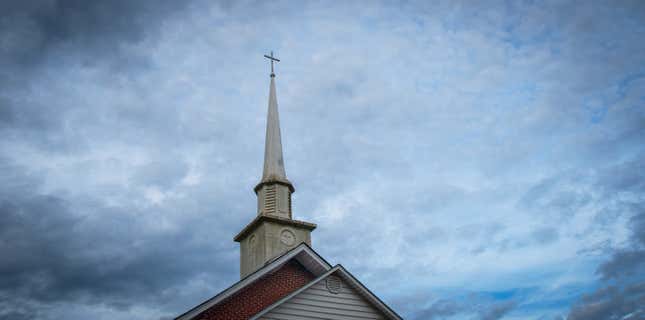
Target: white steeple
x=273, y=160
x=274, y=190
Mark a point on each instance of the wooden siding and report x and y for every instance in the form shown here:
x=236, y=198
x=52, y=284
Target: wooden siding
x=318, y=303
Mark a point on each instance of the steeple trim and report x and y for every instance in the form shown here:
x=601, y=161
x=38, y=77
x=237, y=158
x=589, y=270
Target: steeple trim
x=259, y=219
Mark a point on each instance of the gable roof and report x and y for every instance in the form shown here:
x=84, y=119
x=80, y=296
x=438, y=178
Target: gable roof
x=302, y=253
x=348, y=277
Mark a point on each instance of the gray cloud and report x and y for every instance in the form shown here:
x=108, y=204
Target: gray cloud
x=624, y=263
x=32, y=30
x=624, y=297
x=497, y=311
x=611, y=303
x=165, y=172
x=40, y=39
x=439, y=309
x=66, y=249
x=545, y=235
x=477, y=306
x=616, y=194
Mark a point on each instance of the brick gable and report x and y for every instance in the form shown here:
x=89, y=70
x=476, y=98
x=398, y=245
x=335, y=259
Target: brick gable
x=260, y=294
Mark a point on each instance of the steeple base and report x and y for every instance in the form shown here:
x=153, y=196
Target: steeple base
x=267, y=237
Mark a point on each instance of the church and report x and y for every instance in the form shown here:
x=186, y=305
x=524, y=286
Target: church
x=281, y=275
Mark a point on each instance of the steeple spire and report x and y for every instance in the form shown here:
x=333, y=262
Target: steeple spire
x=274, y=190
x=273, y=160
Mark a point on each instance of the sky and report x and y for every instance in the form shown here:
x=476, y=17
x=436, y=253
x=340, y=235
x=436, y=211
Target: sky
x=465, y=160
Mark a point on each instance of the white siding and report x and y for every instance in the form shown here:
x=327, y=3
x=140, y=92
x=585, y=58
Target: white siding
x=318, y=303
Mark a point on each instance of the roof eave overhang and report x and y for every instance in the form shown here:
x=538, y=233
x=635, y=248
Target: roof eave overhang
x=271, y=218
x=275, y=180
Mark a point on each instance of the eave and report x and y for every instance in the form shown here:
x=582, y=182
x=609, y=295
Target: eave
x=271, y=218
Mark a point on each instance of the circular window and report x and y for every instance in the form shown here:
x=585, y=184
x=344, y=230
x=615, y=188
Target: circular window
x=287, y=237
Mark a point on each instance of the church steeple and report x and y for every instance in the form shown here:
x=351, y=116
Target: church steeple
x=274, y=190
x=273, y=231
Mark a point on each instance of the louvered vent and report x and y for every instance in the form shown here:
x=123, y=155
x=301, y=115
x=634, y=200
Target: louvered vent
x=334, y=284
x=270, y=201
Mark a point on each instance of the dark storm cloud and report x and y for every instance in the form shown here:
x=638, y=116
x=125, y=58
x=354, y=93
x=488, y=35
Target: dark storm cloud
x=17, y=315
x=624, y=263
x=71, y=249
x=478, y=306
x=498, y=310
x=55, y=252
x=32, y=29
x=611, y=303
x=624, y=297
x=41, y=35
x=440, y=309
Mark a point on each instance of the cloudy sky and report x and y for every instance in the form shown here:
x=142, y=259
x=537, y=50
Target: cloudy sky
x=475, y=160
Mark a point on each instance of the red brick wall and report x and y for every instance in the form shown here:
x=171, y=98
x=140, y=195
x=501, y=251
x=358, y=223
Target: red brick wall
x=261, y=294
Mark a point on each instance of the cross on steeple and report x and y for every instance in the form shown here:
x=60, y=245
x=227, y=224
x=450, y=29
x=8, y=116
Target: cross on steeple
x=272, y=60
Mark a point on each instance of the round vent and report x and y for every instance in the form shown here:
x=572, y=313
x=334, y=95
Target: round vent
x=334, y=284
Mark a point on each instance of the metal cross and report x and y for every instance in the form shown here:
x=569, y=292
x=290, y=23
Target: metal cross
x=272, y=59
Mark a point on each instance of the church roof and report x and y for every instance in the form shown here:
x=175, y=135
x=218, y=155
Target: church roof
x=273, y=161
x=302, y=253
x=348, y=278
x=312, y=262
